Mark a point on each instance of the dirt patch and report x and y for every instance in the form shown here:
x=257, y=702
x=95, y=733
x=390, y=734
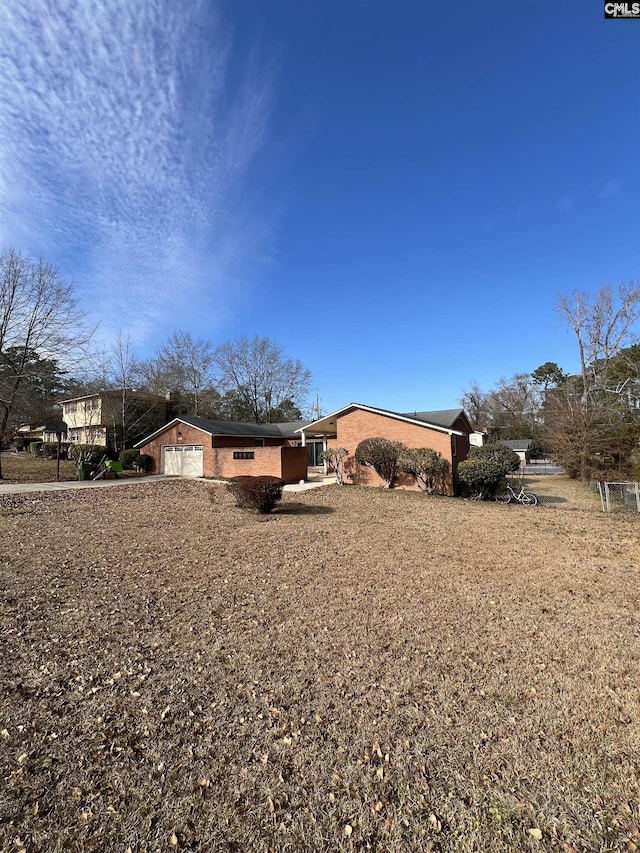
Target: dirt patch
x=363, y=670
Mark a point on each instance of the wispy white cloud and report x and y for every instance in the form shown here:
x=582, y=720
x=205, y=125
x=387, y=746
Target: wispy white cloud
x=126, y=132
x=565, y=203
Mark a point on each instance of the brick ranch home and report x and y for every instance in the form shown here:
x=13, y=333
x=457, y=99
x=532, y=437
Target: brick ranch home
x=196, y=447
x=446, y=431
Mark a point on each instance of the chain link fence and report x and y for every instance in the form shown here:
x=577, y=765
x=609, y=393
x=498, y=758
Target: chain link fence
x=541, y=466
x=619, y=496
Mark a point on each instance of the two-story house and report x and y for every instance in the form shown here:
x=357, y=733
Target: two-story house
x=114, y=419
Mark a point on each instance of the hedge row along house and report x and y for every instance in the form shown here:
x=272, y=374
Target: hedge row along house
x=195, y=447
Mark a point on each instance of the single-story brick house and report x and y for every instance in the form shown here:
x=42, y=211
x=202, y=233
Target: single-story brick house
x=446, y=431
x=196, y=447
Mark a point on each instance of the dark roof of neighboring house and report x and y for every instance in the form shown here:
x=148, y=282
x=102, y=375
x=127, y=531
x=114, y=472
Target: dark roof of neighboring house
x=517, y=443
x=233, y=428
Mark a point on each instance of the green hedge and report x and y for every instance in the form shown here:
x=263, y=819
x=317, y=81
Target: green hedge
x=129, y=459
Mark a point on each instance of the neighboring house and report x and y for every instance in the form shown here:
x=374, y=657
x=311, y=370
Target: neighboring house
x=521, y=446
x=446, y=431
x=30, y=431
x=99, y=418
x=43, y=433
x=478, y=439
x=196, y=447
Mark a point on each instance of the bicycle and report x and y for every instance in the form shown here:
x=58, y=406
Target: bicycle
x=525, y=498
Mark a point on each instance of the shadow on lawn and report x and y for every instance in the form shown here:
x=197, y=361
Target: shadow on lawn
x=303, y=509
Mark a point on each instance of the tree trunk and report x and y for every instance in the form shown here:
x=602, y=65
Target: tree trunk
x=3, y=425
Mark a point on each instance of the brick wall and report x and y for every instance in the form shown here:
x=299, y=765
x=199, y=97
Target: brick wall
x=188, y=435
x=294, y=464
x=358, y=424
x=289, y=463
x=241, y=441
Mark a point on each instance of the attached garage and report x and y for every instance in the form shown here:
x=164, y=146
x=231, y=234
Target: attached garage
x=196, y=447
x=183, y=460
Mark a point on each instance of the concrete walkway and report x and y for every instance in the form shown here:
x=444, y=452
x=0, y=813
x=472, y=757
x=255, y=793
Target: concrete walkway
x=24, y=488
x=310, y=484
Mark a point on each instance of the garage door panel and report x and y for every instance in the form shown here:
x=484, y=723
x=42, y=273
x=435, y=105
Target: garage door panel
x=183, y=461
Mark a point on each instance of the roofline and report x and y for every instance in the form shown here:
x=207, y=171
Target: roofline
x=84, y=397
x=158, y=431
x=387, y=414
x=112, y=391
x=202, y=429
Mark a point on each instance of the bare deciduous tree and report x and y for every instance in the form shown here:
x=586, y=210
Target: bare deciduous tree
x=130, y=410
x=182, y=364
x=603, y=324
x=509, y=410
x=256, y=372
x=474, y=401
x=585, y=439
x=38, y=313
x=587, y=425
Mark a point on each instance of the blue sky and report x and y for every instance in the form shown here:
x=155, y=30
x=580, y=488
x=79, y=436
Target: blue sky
x=396, y=192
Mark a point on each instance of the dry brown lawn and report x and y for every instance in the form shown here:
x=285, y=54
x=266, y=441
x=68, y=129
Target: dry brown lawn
x=363, y=670
x=27, y=468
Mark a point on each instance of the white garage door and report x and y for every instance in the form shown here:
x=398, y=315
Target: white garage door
x=183, y=461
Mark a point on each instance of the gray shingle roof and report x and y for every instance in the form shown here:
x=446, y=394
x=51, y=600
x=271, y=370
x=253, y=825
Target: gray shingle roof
x=517, y=443
x=441, y=417
x=246, y=430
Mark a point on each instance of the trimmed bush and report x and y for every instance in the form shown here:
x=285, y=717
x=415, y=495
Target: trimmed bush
x=236, y=488
x=495, y=452
x=427, y=467
x=485, y=468
x=259, y=493
x=481, y=477
x=50, y=449
x=35, y=447
x=334, y=457
x=129, y=459
x=382, y=455
x=145, y=463
x=21, y=442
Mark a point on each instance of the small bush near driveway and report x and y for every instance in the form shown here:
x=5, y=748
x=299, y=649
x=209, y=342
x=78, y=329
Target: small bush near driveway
x=259, y=493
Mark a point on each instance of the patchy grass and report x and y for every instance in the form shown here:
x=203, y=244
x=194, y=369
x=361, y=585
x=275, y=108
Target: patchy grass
x=27, y=468
x=362, y=670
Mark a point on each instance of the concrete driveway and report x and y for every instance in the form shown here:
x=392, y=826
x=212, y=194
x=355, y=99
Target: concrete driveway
x=24, y=488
